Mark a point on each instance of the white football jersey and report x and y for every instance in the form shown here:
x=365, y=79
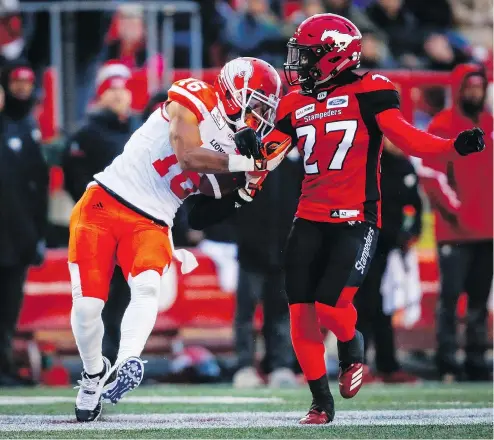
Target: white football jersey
x=147, y=174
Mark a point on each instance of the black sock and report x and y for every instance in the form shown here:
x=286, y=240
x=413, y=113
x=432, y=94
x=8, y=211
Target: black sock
x=320, y=390
x=352, y=351
x=100, y=374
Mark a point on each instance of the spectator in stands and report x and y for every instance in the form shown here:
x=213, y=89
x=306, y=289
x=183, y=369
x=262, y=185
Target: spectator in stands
x=308, y=9
x=23, y=202
x=404, y=34
x=375, y=53
x=474, y=18
x=412, y=44
x=401, y=227
x=430, y=101
x=154, y=103
x=129, y=47
x=260, y=253
x=461, y=193
x=354, y=14
x=91, y=148
x=440, y=53
x=12, y=44
x=436, y=15
x=256, y=32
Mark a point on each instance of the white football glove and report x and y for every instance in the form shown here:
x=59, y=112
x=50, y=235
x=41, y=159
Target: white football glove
x=253, y=184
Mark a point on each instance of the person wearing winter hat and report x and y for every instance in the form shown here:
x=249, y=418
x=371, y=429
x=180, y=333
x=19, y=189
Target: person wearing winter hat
x=18, y=81
x=92, y=147
x=24, y=190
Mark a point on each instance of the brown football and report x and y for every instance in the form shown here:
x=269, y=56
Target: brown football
x=219, y=185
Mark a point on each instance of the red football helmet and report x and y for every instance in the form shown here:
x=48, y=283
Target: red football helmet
x=250, y=90
x=323, y=46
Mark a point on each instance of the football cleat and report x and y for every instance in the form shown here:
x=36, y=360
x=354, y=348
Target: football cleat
x=319, y=414
x=351, y=356
x=350, y=380
x=129, y=376
x=88, y=402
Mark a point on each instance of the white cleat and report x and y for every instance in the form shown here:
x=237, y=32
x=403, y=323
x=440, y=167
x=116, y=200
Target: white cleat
x=129, y=375
x=88, y=402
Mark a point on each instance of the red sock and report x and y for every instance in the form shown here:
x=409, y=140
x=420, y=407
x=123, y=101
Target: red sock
x=341, y=319
x=307, y=340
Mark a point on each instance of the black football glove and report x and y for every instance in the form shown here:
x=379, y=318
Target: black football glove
x=470, y=141
x=248, y=143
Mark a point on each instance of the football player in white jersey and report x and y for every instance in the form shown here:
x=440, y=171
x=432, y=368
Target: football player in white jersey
x=126, y=214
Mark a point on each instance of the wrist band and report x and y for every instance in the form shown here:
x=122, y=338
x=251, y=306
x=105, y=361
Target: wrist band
x=238, y=163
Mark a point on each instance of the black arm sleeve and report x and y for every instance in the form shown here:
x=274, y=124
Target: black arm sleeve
x=206, y=211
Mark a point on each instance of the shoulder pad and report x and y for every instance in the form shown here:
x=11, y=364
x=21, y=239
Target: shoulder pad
x=196, y=95
x=287, y=104
x=375, y=81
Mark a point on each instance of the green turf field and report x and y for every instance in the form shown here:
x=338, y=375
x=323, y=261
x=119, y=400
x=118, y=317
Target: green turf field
x=379, y=411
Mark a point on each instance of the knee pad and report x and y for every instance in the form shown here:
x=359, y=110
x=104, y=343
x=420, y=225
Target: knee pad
x=146, y=285
x=87, y=310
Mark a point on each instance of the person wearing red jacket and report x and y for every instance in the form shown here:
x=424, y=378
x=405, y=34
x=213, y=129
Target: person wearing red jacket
x=461, y=194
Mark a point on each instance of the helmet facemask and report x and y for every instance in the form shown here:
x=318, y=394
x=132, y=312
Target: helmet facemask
x=258, y=111
x=301, y=64
x=304, y=62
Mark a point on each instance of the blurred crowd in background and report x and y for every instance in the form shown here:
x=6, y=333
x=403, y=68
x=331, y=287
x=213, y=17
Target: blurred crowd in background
x=101, y=52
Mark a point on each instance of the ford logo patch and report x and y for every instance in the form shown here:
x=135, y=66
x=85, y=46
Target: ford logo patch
x=336, y=101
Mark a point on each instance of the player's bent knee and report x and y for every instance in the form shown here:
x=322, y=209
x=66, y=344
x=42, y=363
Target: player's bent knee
x=146, y=284
x=86, y=310
x=339, y=320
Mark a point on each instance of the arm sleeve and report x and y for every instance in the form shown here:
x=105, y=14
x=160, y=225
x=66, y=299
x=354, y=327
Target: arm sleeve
x=411, y=140
x=206, y=211
x=76, y=165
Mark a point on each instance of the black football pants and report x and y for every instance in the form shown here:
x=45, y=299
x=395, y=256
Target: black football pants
x=321, y=259
x=465, y=267
x=118, y=300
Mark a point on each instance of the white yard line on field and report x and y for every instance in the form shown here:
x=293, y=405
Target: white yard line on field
x=134, y=422
x=46, y=400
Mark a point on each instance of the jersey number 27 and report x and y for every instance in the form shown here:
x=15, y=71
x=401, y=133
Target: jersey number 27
x=309, y=132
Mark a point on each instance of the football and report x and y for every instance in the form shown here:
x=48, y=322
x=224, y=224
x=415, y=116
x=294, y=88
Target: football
x=219, y=185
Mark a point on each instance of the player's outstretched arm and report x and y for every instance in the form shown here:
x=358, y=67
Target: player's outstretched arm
x=186, y=142
x=416, y=142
